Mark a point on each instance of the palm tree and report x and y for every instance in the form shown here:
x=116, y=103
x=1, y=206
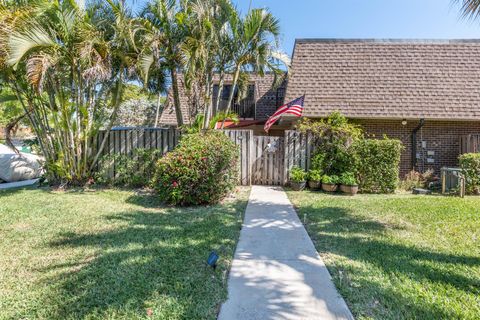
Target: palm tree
x=469, y=8
x=203, y=48
x=162, y=34
x=252, y=38
x=67, y=64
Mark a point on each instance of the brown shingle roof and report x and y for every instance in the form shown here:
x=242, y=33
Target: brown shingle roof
x=431, y=79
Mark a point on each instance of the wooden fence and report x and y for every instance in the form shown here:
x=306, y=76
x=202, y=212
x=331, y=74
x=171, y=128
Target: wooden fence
x=470, y=143
x=124, y=141
x=263, y=160
x=244, y=139
x=299, y=148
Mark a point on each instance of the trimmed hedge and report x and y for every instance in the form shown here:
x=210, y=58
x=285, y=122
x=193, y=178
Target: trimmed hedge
x=470, y=164
x=202, y=169
x=377, y=164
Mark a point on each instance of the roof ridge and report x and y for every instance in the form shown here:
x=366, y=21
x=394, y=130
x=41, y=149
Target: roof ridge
x=388, y=40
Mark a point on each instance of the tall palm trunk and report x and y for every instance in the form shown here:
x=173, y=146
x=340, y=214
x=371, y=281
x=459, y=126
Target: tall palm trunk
x=157, y=114
x=232, y=93
x=219, y=93
x=176, y=97
x=208, y=102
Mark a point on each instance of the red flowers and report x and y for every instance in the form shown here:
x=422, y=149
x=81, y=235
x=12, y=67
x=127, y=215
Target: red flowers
x=174, y=184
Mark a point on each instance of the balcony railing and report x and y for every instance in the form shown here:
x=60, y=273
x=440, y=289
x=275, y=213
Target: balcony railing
x=244, y=109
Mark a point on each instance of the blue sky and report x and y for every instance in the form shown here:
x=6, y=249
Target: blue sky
x=436, y=19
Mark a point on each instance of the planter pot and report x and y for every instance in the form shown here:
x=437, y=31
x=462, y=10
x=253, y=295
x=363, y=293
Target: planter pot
x=328, y=187
x=351, y=190
x=298, y=186
x=314, y=185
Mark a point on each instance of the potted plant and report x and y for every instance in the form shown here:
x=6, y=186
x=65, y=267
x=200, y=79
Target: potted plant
x=314, y=179
x=348, y=183
x=329, y=183
x=298, y=179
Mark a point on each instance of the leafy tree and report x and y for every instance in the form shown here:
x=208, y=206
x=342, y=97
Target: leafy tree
x=67, y=64
x=255, y=40
x=334, y=138
x=11, y=115
x=163, y=31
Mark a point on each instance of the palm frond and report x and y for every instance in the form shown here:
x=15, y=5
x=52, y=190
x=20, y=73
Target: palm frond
x=145, y=62
x=37, y=68
x=20, y=43
x=469, y=8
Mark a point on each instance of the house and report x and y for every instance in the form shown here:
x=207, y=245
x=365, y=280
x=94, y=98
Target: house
x=424, y=92
x=261, y=101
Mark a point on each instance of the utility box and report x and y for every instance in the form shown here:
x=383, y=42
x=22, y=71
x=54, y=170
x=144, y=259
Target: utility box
x=453, y=181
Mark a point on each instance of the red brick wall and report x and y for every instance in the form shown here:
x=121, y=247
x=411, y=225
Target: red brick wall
x=441, y=137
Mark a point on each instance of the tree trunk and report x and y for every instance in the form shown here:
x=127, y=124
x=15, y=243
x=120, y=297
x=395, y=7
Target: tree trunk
x=232, y=93
x=176, y=98
x=219, y=94
x=157, y=115
x=8, y=132
x=209, y=103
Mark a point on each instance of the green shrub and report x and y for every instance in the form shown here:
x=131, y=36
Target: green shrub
x=348, y=179
x=470, y=164
x=202, y=169
x=333, y=138
x=315, y=175
x=330, y=179
x=135, y=170
x=378, y=164
x=297, y=174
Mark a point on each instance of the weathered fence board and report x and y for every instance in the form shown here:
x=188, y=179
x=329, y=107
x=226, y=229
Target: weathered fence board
x=299, y=147
x=268, y=160
x=470, y=143
x=244, y=139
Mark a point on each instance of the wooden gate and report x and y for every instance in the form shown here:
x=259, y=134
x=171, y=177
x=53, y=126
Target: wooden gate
x=268, y=160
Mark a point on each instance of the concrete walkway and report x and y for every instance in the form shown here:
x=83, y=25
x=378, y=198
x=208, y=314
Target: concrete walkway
x=276, y=272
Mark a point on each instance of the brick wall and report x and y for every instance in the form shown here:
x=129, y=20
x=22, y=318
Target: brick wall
x=441, y=137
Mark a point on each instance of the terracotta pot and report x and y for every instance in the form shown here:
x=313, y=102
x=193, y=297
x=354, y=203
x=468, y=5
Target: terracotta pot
x=351, y=190
x=328, y=187
x=314, y=185
x=298, y=186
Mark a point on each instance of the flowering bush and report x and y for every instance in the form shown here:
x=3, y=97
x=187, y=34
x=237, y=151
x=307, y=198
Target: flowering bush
x=202, y=169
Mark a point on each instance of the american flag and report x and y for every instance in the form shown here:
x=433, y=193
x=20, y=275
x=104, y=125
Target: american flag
x=294, y=107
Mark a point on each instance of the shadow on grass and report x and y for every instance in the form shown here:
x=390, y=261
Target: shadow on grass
x=149, y=259
x=339, y=231
x=146, y=199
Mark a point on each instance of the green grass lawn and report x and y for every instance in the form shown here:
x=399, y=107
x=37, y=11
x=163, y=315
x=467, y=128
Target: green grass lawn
x=399, y=256
x=112, y=255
